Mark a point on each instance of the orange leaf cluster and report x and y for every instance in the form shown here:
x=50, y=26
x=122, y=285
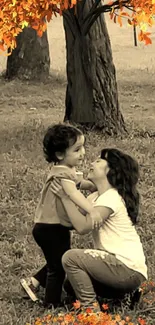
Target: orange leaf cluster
x=141, y=13
x=17, y=14
x=88, y=316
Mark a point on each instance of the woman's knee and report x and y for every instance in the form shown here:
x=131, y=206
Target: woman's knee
x=68, y=258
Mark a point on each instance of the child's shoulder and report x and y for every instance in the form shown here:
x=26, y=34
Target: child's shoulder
x=63, y=172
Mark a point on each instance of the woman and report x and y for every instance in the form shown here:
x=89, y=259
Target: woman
x=117, y=262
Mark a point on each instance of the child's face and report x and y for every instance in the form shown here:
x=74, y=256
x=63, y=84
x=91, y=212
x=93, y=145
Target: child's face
x=75, y=153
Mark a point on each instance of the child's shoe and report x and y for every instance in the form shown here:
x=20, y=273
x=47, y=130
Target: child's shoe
x=30, y=289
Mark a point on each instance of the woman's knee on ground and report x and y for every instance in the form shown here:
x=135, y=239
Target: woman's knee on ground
x=69, y=258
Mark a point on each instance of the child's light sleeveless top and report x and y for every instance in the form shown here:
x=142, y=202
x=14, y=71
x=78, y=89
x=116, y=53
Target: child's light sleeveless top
x=50, y=210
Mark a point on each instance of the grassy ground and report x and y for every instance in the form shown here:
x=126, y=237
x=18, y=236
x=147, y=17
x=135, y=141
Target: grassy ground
x=25, y=111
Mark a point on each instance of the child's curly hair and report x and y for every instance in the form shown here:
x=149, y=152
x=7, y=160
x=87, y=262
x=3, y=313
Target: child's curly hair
x=58, y=138
x=123, y=175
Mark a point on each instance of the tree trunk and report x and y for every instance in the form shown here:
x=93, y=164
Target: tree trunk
x=91, y=96
x=30, y=59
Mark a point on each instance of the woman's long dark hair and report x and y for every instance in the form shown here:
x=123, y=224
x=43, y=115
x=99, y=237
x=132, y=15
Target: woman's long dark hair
x=123, y=175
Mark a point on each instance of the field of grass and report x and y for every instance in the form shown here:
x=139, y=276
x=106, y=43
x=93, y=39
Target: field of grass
x=26, y=109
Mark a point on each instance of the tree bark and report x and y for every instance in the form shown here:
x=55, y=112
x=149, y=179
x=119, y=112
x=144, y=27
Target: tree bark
x=30, y=59
x=92, y=95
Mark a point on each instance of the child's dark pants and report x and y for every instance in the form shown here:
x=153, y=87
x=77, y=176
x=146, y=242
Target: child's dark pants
x=54, y=240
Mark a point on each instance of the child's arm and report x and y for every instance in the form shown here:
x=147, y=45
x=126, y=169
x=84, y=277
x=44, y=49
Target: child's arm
x=87, y=185
x=76, y=196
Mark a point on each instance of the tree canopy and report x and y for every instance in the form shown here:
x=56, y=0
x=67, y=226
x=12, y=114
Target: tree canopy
x=17, y=14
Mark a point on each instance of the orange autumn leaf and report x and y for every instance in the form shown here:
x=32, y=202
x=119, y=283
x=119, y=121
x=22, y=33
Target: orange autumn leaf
x=141, y=321
x=105, y=306
x=115, y=17
x=125, y=14
x=140, y=36
x=49, y=15
x=127, y=319
x=40, y=33
x=65, y=4
x=111, y=15
x=76, y=304
x=122, y=322
x=147, y=39
x=120, y=21
x=2, y=47
x=68, y=318
x=80, y=317
x=129, y=22
x=88, y=310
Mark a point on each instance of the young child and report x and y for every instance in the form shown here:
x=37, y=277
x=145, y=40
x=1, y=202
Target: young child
x=63, y=146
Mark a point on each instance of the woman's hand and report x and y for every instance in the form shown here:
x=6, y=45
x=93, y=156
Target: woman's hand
x=97, y=221
x=57, y=189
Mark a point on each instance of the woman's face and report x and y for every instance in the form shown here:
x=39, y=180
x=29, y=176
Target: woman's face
x=98, y=170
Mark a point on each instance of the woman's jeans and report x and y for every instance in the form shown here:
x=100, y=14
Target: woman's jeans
x=91, y=275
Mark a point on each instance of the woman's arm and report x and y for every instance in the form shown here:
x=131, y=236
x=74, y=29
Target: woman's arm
x=87, y=185
x=84, y=225
x=75, y=195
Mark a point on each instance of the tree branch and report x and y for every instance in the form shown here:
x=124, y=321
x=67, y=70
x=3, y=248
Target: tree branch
x=93, y=8
x=129, y=8
x=78, y=24
x=67, y=18
x=91, y=21
x=81, y=9
x=93, y=15
x=89, y=15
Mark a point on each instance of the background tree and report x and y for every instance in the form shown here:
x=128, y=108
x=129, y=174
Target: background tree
x=91, y=97
x=31, y=58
